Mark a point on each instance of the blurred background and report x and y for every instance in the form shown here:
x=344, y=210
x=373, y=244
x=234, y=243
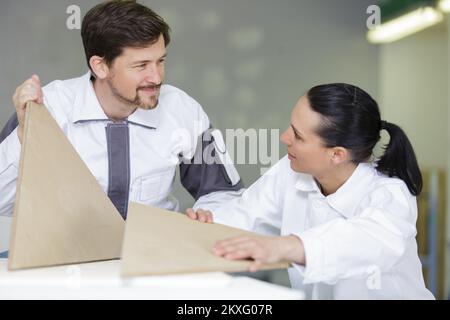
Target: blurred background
x=247, y=62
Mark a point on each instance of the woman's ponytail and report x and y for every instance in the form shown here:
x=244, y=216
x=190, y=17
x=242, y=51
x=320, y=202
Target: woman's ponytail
x=353, y=121
x=399, y=159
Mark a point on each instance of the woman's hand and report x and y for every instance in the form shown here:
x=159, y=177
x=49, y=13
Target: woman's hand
x=200, y=215
x=262, y=249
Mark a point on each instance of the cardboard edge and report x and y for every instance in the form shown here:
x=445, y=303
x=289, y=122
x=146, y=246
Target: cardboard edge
x=23, y=150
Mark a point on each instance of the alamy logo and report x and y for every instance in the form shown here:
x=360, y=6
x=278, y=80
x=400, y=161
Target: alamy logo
x=73, y=21
x=374, y=18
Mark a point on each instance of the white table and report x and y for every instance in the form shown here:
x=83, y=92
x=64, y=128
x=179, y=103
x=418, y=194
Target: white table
x=101, y=280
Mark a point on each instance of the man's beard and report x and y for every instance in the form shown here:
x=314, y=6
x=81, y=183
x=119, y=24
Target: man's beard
x=136, y=102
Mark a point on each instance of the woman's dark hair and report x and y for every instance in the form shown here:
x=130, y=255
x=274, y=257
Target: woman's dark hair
x=111, y=26
x=351, y=119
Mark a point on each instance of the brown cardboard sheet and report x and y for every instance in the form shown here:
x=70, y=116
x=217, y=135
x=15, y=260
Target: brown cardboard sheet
x=161, y=242
x=61, y=214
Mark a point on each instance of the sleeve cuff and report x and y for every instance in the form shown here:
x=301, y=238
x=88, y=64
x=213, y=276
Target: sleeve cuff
x=313, y=271
x=217, y=199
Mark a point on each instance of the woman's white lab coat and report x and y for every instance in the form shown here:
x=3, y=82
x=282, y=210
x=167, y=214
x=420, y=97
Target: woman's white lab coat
x=359, y=242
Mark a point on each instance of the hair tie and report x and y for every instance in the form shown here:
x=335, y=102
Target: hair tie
x=383, y=124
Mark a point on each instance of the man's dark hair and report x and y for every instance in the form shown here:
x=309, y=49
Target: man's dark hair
x=113, y=25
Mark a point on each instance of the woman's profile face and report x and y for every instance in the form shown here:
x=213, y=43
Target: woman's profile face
x=306, y=149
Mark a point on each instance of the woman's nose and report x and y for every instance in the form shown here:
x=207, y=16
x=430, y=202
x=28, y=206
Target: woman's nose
x=284, y=138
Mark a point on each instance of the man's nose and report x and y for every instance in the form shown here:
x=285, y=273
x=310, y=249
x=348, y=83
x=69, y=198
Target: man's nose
x=153, y=76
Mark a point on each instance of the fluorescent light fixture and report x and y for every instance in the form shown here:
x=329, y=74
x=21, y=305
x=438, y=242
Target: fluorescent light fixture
x=444, y=5
x=405, y=25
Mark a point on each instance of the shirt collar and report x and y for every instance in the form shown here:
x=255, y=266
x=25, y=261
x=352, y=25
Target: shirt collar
x=146, y=118
x=306, y=183
x=88, y=108
x=348, y=196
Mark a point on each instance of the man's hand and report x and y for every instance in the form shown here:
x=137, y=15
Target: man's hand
x=261, y=249
x=28, y=91
x=200, y=215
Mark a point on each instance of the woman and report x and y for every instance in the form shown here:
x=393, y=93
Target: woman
x=347, y=225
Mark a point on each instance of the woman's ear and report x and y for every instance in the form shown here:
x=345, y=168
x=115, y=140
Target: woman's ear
x=339, y=155
x=99, y=67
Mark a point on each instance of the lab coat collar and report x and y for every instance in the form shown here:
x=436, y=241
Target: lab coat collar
x=306, y=183
x=346, y=198
x=147, y=118
x=88, y=108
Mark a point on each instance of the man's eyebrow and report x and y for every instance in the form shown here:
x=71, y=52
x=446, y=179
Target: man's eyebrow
x=147, y=61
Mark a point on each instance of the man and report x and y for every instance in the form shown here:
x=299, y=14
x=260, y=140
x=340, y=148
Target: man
x=130, y=129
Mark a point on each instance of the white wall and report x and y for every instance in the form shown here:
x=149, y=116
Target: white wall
x=413, y=88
